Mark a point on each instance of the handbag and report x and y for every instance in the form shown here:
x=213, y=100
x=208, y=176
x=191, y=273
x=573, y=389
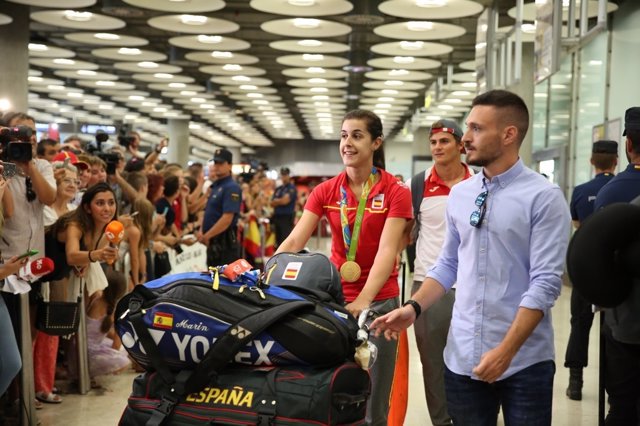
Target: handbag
x=161, y=264
x=58, y=317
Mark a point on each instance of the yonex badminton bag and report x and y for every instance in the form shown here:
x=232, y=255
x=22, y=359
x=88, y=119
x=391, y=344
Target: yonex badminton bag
x=184, y=314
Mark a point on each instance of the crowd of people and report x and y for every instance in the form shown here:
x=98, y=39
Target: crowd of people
x=490, y=249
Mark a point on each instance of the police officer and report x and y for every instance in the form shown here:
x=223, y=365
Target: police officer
x=622, y=323
x=604, y=158
x=219, y=225
x=284, y=204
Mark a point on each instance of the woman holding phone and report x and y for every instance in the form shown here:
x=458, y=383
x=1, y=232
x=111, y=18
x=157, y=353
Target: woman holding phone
x=367, y=209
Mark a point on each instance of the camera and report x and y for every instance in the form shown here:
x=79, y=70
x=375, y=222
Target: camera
x=111, y=159
x=15, y=143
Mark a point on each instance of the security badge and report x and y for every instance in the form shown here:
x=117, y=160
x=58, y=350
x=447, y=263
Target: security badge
x=235, y=196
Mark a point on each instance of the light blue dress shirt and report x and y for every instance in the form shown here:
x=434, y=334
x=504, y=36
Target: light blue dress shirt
x=516, y=258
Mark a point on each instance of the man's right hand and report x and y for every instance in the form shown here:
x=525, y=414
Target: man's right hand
x=393, y=323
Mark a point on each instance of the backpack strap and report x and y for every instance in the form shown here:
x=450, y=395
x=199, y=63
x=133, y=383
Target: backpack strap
x=417, y=190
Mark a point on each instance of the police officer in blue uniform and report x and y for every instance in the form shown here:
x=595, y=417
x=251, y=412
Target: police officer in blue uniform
x=604, y=158
x=284, y=204
x=219, y=225
x=622, y=324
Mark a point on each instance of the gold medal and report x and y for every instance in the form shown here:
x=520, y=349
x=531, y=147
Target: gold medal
x=350, y=271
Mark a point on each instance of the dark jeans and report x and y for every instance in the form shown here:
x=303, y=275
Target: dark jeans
x=526, y=398
x=622, y=381
x=581, y=321
x=284, y=225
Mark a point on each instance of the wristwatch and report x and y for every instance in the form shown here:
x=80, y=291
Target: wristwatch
x=415, y=305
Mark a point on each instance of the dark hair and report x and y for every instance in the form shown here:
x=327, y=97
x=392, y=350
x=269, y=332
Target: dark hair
x=191, y=182
x=80, y=216
x=171, y=186
x=634, y=137
x=513, y=110
x=116, y=288
x=374, y=127
x=11, y=116
x=40, y=150
x=604, y=161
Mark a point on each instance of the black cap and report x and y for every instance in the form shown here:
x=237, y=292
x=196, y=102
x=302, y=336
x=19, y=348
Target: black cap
x=631, y=120
x=222, y=155
x=285, y=171
x=605, y=147
x=134, y=165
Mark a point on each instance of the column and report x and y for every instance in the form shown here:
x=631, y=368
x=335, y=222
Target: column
x=178, y=141
x=525, y=89
x=14, y=67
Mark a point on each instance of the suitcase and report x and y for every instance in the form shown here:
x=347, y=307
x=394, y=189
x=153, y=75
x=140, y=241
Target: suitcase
x=242, y=395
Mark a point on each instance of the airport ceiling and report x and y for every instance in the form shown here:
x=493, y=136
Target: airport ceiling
x=248, y=73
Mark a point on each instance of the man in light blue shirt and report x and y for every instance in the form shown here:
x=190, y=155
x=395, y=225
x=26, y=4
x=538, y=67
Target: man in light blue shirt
x=507, y=235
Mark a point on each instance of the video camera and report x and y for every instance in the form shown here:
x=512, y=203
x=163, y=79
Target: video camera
x=111, y=159
x=123, y=138
x=15, y=143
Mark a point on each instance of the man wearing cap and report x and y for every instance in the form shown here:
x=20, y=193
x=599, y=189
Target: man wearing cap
x=433, y=186
x=284, y=204
x=622, y=323
x=219, y=225
x=604, y=158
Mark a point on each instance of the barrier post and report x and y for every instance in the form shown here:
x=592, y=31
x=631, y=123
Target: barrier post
x=28, y=395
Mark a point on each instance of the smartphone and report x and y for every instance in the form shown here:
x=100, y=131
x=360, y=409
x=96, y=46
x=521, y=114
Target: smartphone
x=28, y=253
x=134, y=214
x=9, y=170
x=166, y=210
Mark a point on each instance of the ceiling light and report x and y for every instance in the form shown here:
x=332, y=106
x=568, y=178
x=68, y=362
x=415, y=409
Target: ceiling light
x=306, y=23
x=188, y=93
x=433, y=117
x=73, y=15
x=419, y=25
x=469, y=84
x=74, y=95
x=411, y=45
x=105, y=83
x=322, y=104
x=383, y=105
x=310, y=43
x=86, y=72
x=445, y=107
x=393, y=83
x=312, y=57
x=146, y=104
x=193, y=19
x=453, y=101
x=528, y=28
x=163, y=75
x=136, y=98
x=260, y=102
x=36, y=47
x=431, y=3
x=55, y=87
x=398, y=72
x=481, y=45
x=460, y=93
x=211, y=39
x=404, y=59
x=129, y=51
x=317, y=81
x=595, y=62
x=389, y=92
x=103, y=106
x=148, y=64
x=160, y=109
x=64, y=61
x=301, y=2
x=255, y=95
x=221, y=54
x=316, y=70
x=386, y=99
x=248, y=87
x=232, y=67
x=176, y=85
x=240, y=78
x=320, y=97
x=318, y=90
x=106, y=36
x=207, y=106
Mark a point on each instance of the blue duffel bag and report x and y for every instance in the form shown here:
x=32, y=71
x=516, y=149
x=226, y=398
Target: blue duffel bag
x=179, y=317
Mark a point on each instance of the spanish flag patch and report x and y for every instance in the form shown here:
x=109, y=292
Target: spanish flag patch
x=291, y=271
x=162, y=320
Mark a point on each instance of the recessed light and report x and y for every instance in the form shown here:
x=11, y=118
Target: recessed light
x=163, y=75
x=148, y=64
x=419, y=25
x=177, y=85
x=232, y=67
x=317, y=80
x=129, y=51
x=306, y=23
x=398, y=72
x=74, y=15
x=310, y=43
x=193, y=19
x=36, y=47
x=431, y=3
x=393, y=83
x=240, y=78
x=312, y=57
x=303, y=3
x=64, y=61
x=404, y=59
x=221, y=54
x=210, y=39
x=411, y=45
x=248, y=87
x=106, y=36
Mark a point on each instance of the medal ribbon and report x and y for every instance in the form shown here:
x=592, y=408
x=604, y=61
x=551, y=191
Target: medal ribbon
x=351, y=239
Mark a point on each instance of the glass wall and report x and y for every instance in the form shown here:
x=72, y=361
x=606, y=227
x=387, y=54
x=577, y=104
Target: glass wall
x=560, y=101
x=540, y=97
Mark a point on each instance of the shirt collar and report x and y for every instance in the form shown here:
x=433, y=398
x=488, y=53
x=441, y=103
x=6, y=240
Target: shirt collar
x=434, y=178
x=504, y=179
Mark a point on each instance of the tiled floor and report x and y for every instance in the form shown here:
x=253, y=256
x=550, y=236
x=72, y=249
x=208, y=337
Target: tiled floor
x=103, y=407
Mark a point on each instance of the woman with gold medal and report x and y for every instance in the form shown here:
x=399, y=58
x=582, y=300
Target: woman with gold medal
x=367, y=209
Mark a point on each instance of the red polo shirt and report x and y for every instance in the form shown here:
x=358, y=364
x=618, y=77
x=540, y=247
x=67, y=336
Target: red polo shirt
x=388, y=198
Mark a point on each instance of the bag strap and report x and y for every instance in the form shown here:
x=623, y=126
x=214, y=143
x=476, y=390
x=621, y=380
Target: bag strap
x=417, y=189
x=233, y=339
